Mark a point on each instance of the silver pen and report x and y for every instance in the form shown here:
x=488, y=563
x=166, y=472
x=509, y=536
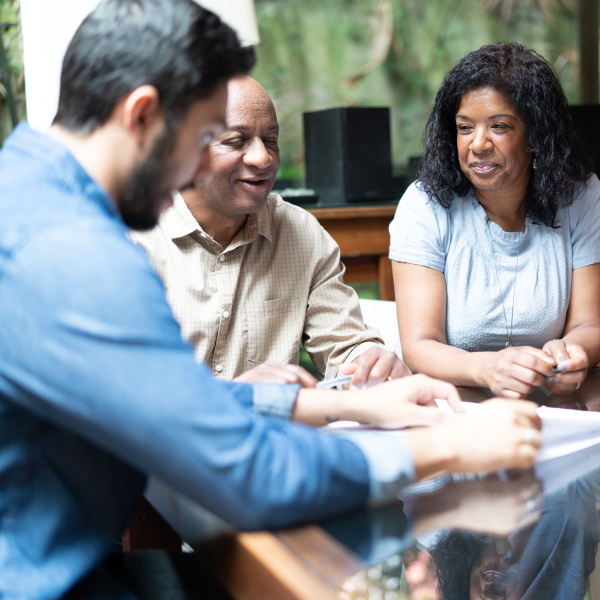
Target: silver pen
x=329, y=383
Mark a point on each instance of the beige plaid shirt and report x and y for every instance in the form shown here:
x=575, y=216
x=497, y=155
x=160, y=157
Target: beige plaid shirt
x=280, y=281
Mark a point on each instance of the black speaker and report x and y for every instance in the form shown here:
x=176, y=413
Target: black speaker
x=587, y=122
x=348, y=154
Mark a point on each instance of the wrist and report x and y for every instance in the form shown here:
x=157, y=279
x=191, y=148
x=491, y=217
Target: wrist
x=482, y=368
x=434, y=450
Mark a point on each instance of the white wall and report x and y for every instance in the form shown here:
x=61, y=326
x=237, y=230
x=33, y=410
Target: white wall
x=49, y=25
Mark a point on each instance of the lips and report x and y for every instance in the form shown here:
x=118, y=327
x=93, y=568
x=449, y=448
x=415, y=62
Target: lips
x=254, y=182
x=482, y=167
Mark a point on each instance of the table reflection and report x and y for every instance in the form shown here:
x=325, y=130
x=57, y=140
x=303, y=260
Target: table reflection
x=513, y=535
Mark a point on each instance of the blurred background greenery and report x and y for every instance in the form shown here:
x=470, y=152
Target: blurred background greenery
x=316, y=55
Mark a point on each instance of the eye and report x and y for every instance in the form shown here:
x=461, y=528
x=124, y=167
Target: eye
x=499, y=126
x=235, y=142
x=462, y=128
x=273, y=142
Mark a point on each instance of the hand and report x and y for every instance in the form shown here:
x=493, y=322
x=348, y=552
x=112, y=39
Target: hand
x=515, y=372
x=402, y=402
x=274, y=372
x=490, y=505
x=375, y=365
x=501, y=434
x=572, y=366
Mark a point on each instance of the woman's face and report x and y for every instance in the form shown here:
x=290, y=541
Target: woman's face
x=490, y=137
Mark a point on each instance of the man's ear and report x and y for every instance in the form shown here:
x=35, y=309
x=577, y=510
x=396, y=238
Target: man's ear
x=141, y=114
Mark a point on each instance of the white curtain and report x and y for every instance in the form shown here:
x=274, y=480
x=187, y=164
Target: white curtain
x=48, y=26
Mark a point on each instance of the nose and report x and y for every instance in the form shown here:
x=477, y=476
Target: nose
x=257, y=155
x=481, y=141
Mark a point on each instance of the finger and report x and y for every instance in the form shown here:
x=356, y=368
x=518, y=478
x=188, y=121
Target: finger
x=303, y=377
x=558, y=350
x=534, y=359
x=429, y=389
x=364, y=363
x=569, y=377
x=577, y=358
x=347, y=368
x=399, y=370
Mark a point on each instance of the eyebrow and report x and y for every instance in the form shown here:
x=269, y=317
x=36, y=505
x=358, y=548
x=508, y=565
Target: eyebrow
x=491, y=117
x=244, y=128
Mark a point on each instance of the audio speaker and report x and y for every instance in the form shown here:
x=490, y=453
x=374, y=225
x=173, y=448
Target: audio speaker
x=348, y=154
x=587, y=121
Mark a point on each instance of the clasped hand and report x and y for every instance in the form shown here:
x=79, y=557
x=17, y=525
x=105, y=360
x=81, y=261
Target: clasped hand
x=560, y=365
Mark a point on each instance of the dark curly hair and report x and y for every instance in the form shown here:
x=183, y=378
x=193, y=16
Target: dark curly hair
x=532, y=87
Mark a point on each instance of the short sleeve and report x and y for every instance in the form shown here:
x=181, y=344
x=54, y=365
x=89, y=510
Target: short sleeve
x=419, y=233
x=584, y=216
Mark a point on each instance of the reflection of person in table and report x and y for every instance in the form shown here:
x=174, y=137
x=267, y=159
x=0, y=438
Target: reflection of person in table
x=250, y=276
x=550, y=559
x=496, y=248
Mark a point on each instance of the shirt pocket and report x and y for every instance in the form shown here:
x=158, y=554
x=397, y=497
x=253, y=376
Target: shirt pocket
x=273, y=330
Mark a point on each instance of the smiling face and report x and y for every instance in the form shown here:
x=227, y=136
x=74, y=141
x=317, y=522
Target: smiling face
x=490, y=139
x=245, y=158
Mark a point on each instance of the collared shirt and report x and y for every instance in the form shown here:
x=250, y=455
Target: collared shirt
x=279, y=282
x=97, y=389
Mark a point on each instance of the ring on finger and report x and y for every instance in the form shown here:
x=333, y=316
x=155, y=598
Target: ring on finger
x=530, y=437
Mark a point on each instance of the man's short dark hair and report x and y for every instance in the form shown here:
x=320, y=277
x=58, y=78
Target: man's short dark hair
x=178, y=47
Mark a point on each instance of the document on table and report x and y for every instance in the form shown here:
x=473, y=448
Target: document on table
x=564, y=431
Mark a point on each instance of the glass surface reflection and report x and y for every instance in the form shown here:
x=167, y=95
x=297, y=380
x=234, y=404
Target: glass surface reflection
x=527, y=536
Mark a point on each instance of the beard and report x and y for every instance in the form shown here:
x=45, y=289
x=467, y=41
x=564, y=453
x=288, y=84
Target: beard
x=148, y=191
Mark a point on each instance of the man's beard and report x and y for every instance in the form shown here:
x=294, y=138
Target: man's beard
x=148, y=190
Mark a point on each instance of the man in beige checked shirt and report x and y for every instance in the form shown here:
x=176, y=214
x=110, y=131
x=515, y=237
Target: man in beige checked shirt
x=250, y=276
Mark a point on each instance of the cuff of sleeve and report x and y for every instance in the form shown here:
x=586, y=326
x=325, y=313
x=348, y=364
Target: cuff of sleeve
x=390, y=463
x=275, y=399
x=362, y=348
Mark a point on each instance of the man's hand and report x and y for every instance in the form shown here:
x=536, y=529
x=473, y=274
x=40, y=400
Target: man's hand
x=375, y=365
x=500, y=434
x=274, y=372
x=401, y=403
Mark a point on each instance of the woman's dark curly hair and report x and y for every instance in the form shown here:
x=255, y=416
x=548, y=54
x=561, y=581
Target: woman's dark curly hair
x=530, y=84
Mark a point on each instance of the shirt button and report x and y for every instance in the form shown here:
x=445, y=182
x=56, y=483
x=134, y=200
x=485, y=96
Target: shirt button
x=219, y=368
x=225, y=314
x=222, y=258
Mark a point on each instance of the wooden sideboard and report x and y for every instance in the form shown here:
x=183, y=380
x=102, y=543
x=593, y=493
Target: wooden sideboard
x=363, y=237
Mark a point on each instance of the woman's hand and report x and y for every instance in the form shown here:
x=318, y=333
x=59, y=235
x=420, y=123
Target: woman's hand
x=274, y=372
x=571, y=366
x=515, y=372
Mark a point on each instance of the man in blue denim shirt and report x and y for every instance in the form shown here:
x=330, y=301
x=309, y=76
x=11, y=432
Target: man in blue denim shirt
x=97, y=389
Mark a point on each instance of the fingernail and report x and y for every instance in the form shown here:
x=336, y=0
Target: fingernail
x=355, y=387
x=562, y=358
x=560, y=368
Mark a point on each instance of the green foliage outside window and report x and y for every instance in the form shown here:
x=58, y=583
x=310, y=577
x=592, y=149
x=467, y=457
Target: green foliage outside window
x=12, y=88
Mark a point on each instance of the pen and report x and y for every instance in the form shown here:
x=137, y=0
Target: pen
x=329, y=383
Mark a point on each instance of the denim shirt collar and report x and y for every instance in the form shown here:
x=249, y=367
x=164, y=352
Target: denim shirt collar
x=62, y=163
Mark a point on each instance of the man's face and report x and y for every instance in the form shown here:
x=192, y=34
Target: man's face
x=176, y=160
x=245, y=158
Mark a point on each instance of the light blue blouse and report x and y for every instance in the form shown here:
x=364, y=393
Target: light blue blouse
x=479, y=262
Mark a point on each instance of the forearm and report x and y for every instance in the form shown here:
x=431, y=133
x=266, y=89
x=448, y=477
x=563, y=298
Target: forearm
x=442, y=361
x=588, y=337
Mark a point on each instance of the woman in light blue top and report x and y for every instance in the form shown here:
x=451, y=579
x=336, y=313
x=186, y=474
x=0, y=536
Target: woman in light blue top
x=496, y=248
